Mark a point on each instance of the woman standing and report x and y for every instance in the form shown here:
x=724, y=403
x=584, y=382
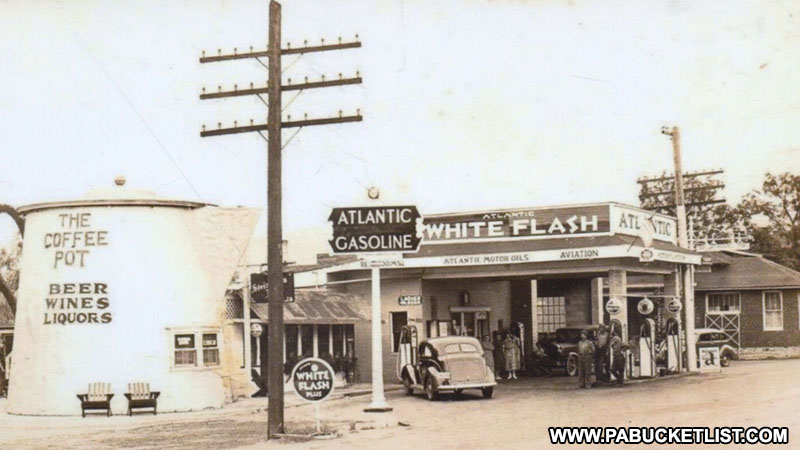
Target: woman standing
x=511, y=355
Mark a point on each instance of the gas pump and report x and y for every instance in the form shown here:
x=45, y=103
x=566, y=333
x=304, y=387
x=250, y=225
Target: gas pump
x=674, y=347
x=407, y=352
x=647, y=354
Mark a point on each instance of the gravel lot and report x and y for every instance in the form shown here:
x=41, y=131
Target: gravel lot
x=749, y=393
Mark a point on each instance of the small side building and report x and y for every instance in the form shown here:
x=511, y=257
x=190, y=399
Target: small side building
x=319, y=322
x=755, y=301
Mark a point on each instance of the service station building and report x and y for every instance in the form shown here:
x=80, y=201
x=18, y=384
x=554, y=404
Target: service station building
x=529, y=271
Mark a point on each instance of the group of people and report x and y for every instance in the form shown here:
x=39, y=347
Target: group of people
x=502, y=352
x=606, y=353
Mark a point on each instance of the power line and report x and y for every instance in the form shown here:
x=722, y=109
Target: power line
x=645, y=180
x=141, y=119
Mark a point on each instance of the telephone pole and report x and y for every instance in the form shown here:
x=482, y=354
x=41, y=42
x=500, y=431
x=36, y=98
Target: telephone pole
x=680, y=206
x=273, y=127
x=683, y=241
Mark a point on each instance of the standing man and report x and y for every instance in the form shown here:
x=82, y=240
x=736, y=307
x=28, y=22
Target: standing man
x=499, y=362
x=601, y=354
x=585, y=355
x=617, y=359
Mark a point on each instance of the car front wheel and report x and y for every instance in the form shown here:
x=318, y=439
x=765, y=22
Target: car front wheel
x=572, y=365
x=430, y=391
x=725, y=360
x=488, y=392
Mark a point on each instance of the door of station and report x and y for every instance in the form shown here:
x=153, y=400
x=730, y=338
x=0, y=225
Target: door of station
x=470, y=321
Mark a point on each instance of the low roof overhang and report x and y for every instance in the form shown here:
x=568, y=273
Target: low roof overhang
x=318, y=306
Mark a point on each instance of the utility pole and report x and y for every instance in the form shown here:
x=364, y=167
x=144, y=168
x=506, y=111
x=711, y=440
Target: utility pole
x=273, y=127
x=275, y=423
x=683, y=241
x=680, y=205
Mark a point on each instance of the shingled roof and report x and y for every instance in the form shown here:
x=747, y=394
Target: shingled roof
x=320, y=306
x=738, y=270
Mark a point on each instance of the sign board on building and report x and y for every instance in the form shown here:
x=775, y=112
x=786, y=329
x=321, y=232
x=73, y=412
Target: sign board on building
x=383, y=261
x=614, y=306
x=256, y=329
x=537, y=222
x=259, y=287
x=312, y=379
x=638, y=222
x=409, y=300
x=375, y=229
x=550, y=222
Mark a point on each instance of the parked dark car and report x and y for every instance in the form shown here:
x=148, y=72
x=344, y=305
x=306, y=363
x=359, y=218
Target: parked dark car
x=562, y=349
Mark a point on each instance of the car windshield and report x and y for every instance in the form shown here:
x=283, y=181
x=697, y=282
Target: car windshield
x=460, y=348
x=707, y=337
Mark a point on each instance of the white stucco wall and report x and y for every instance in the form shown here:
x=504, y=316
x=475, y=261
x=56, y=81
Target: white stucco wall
x=159, y=276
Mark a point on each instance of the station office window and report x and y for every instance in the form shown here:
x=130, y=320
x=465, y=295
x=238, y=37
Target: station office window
x=773, y=311
x=399, y=320
x=188, y=346
x=551, y=314
x=723, y=303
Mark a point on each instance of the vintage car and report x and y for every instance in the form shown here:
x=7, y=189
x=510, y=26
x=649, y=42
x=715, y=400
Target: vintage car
x=562, y=349
x=443, y=364
x=712, y=337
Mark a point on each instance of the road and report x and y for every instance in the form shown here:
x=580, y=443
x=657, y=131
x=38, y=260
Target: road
x=749, y=393
x=757, y=393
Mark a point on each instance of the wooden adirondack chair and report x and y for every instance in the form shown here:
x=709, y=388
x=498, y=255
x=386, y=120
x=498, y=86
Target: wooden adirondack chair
x=140, y=396
x=98, y=398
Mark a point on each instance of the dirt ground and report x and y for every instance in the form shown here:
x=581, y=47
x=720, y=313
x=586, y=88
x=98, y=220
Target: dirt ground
x=756, y=393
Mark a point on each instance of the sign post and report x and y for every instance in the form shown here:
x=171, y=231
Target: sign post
x=376, y=230
x=259, y=287
x=379, y=403
x=312, y=379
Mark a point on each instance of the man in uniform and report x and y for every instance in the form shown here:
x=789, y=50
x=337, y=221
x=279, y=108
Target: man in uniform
x=601, y=354
x=585, y=355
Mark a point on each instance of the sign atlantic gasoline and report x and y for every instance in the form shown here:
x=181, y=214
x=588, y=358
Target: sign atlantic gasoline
x=375, y=229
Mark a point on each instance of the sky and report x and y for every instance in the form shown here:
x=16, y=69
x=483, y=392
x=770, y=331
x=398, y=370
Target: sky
x=468, y=105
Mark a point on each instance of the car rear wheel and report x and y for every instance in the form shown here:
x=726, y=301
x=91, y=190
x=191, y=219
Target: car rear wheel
x=488, y=392
x=725, y=359
x=430, y=391
x=572, y=365
x=407, y=384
